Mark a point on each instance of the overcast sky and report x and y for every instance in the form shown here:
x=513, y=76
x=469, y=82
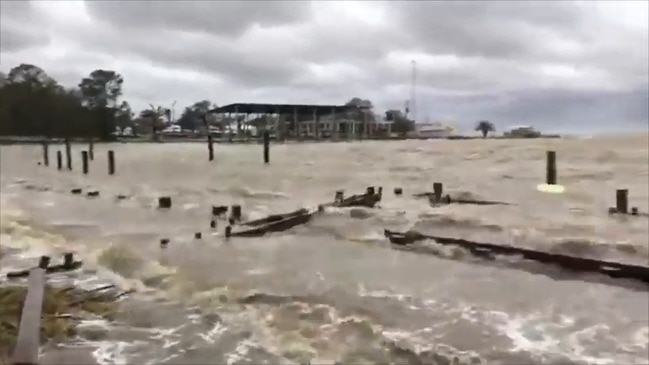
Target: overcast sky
x=560, y=66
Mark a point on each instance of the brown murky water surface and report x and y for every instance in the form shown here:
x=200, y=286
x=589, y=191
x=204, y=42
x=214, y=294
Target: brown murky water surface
x=334, y=290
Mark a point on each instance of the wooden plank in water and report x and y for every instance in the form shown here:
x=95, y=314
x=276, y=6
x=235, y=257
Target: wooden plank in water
x=28, y=342
x=610, y=268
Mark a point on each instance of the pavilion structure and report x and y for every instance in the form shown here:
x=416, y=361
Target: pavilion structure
x=301, y=121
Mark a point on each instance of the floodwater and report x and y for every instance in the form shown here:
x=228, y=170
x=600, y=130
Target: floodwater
x=334, y=290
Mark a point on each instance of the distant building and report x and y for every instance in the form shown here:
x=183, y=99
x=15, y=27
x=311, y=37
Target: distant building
x=522, y=131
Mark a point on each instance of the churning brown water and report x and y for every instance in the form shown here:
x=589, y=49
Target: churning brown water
x=334, y=290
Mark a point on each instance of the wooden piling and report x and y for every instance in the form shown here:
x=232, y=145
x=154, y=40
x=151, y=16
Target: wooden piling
x=91, y=149
x=164, y=202
x=28, y=341
x=235, y=212
x=46, y=153
x=44, y=262
x=340, y=196
x=59, y=160
x=111, y=162
x=218, y=210
x=266, y=147
x=68, y=154
x=68, y=260
x=438, y=190
x=84, y=161
x=551, y=168
x=164, y=242
x=622, y=201
x=210, y=147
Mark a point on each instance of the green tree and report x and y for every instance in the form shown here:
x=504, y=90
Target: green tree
x=101, y=88
x=100, y=91
x=33, y=104
x=188, y=119
x=28, y=74
x=193, y=115
x=485, y=127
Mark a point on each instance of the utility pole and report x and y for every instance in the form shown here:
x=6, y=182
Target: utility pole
x=413, y=92
x=173, y=112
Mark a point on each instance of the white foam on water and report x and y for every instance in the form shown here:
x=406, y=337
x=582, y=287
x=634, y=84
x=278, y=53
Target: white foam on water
x=215, y=333
x=241, y=351
x=532, y=333
x=190, y=206
x=112, y=352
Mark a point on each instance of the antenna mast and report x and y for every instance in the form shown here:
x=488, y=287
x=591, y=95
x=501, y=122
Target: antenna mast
x=413, y=93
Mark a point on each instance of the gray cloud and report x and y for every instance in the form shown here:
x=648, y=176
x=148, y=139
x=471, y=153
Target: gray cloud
x=14, y=34
x=223, y=18
x=500, y=29
x=560, y=65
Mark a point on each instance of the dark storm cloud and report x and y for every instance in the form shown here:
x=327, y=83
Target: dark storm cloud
x=199, y=52
x=499, y=29
x=549, y=63
x=19, y=28
x=223, y=18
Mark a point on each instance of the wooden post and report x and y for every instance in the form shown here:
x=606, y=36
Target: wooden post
x=622, y=201
x=236, y=117
x=91, y=149
x=266, y=147
x=210, y=147
x=164, y=202
x=316, y=125
x=59, y=160
x=68, y=154
x=438, y=189
x=46, y=153
x=111, y=162
x=210, y=140
x=235, y=212
x=366, y=130
x=551, y=168
x=335, y=131
x=28, y=341
x=84, y=161
x=295, y=128
x=68, y=260
x=44, y=262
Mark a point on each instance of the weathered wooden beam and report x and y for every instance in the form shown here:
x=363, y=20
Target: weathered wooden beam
x=28, y=342
x=610, y=268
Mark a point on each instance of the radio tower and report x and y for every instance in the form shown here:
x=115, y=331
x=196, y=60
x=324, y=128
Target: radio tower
x=413, y=95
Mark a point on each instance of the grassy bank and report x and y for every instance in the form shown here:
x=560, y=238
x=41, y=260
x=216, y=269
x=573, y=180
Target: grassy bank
x=62, y=310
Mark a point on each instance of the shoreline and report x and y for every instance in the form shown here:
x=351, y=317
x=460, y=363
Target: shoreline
x=12, y=140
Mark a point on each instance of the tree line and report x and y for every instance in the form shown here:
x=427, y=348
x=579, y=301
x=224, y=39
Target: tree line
x=32, y=103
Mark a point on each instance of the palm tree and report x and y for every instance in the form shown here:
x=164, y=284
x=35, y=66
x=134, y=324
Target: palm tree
x=484, y=127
